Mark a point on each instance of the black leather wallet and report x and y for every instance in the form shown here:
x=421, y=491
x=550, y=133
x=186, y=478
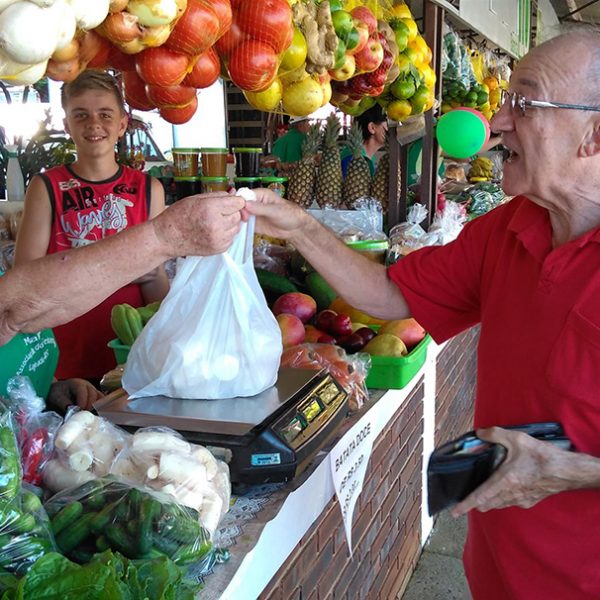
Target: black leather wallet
x=456, y=468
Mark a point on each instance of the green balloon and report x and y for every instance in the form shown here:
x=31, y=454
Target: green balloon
x=461, y=132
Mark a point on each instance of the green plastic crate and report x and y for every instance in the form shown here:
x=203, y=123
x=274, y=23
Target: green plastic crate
x=394, y=373
x=121, y=351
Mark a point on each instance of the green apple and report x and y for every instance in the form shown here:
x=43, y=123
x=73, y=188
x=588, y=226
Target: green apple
x=340, y=55
x=342, y=23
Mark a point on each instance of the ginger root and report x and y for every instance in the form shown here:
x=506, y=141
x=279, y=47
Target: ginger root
x=321, y=40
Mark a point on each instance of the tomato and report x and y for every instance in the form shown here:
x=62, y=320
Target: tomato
x=232, y=39
x=253, y=66
x=223, y=10
x=135, y=91
x=196, y=30
x=171, y=96
x=161, y=66
x=205, y=71
x=181, y=114
x=269, y=21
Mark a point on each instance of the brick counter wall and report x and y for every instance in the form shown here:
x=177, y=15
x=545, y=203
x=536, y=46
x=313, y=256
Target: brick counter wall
x=386, y=530
x=455, y=386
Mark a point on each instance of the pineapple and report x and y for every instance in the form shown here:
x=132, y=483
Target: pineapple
x=381, y=181
x=358, y=178
x=328, y=188
x=301, y=186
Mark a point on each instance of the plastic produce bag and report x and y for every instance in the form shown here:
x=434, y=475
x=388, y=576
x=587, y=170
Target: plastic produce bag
x=24, y=532
x=85, y=447
x=159, y=458
x=107, y=514
x=35, y=429
x=350, y=371
x=214, y=335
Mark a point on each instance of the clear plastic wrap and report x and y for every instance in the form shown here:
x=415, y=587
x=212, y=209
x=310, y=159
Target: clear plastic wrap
x=24, y=532
x=448, y=223
x=85, y=447
x=349, y=371
x=159, y=458
x=108, y=514
x=409, y=236
x=35, y=429
x=353, y=225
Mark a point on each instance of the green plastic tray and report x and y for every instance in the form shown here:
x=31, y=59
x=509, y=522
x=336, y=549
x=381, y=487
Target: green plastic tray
x=120, y=350
x=394, y=373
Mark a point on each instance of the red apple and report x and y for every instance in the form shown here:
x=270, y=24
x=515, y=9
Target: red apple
x=363, y=38
x=370, y=57
x=341, y=325
x=366, y=333
x=351, y=343
x=324, y=320
x=292, y=330
x=295, y=303
x=364, y=15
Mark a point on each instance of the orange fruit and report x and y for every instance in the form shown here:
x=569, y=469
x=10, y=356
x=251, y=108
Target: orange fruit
x=399, y=110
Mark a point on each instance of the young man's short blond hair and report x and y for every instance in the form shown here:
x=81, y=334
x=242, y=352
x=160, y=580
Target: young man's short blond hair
x=92, y=79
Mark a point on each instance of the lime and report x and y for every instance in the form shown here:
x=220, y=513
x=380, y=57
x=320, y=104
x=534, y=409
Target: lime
x=403, y=89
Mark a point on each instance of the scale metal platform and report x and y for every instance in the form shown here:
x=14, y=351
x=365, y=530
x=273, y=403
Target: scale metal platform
x=272, y=436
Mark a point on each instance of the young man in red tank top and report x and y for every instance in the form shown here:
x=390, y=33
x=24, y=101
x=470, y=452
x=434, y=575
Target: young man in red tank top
x=95, y=197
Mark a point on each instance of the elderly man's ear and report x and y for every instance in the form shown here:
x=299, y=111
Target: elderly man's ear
x=590, y=145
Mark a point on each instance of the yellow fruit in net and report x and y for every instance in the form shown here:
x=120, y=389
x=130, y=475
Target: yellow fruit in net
x=428, y=75
x=401, y=11
x=399, y=110
x=268, y=100
x=491, y=82
x=403, y=63
x=413, y=30
x=302, y=97
x=327, y=92
x=293, y=76
x=295, y=55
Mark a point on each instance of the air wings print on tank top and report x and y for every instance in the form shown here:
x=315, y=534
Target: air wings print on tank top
x=85, y=211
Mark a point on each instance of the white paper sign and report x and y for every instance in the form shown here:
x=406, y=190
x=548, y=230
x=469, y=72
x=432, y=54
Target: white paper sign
x=349, y=460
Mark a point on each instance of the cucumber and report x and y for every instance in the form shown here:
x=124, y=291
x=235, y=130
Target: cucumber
x=148, y=509
x=164, y=544
x=71, y=537
x=102, y=543
x=134, y=498
x=66, y=516
x=273, y=284
x=103, y=518
x=119, y=540
x=24, y=524
x=181, y=529
x=191, y=553
x=30, y=502
x=81, y=556
x=320, y=290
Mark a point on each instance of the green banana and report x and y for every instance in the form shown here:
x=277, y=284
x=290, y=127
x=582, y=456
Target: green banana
x=126, y=323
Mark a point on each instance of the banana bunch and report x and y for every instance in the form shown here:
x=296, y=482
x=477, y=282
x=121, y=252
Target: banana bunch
x=481, y=169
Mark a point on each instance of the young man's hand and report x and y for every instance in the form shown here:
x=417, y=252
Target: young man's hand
x=71, y=392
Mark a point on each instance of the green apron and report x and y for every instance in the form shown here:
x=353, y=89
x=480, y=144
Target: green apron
x=33, y=355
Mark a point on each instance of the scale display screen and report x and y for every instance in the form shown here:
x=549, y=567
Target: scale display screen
x=292, y=430
x=311, y=411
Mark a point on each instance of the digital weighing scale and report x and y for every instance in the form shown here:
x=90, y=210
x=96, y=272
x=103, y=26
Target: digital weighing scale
x=272, y=436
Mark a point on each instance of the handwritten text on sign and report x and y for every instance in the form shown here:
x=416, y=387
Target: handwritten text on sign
x=349, y=460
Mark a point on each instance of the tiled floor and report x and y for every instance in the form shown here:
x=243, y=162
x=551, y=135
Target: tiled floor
x=439, y=574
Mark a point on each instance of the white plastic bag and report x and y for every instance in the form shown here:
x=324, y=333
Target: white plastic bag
x=213, y=336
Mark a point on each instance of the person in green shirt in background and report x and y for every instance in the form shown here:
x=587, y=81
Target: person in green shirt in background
x=373, y=124
x=288, y=148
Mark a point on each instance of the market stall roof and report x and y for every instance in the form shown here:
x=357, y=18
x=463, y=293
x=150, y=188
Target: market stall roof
x=586, y=11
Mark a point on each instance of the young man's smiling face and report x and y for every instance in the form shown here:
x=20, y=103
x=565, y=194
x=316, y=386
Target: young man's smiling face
x=95, y=121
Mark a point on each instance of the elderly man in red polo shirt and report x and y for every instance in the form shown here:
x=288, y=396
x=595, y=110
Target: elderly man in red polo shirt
x=529, y=272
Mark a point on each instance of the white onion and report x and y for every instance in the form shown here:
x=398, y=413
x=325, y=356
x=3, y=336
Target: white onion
x=5, y=3
x=153, y=12
x=90, y=13
x=43, y=3
x=66, y=23
x=28, y=33
x=18, y=74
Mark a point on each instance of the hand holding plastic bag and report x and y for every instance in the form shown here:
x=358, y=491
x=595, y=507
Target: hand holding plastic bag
x=213, y=336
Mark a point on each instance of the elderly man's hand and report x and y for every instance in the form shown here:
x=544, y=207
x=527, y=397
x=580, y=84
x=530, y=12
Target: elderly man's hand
x=532, y=471
x=200, y=225
x=70, y=392
x=275, y=216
